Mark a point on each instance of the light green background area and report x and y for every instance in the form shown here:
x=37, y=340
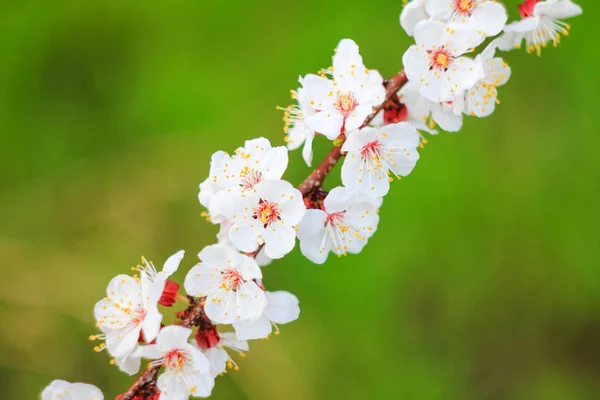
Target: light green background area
x=481, y=282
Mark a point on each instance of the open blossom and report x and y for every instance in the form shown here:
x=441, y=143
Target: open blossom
x=345, y=101
x=540, y=23
x=63, y=390
x=267, y=214
x=435, y=62
x=219, y=357
x=283, y=308
x=481, y=99
x=297, y=130
x=343, y=226
x=130, y=309
x=413, y=13
x=486, y=17
x=374, y=155
x=231, y=175
x=226, y=278
x=448, y=115
x=186, y=370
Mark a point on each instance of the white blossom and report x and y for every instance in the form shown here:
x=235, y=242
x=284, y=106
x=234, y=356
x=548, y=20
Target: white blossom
x=486, y=17
x=412, y=13
x=481, y=99
x=226, y=278
x=63, y=390
x=374, y=155
x=131, y=308
x=540, y=24
x=343, y=226
x=283, y=308
x=347, y=100
x=266, y=214
x=231, y=175
x=186, y=369
x=435, y=62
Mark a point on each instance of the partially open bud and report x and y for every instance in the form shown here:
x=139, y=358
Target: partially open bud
x=169, y=295
x=206, y=339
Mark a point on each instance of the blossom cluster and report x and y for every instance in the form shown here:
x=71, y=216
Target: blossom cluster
x=376, y=126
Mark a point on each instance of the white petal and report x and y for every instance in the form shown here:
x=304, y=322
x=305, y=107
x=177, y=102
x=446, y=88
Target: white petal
x=221, y=306
x=172, y=263
x=439, y=9
x=203, y=385
x=218, y=358
x=557, y=9
x=151, y=352
x=229, y=339
x=283, y=307
x=151, y=324
x=447, y=120
x=291, y=207
x=307, y=152
x=130, y=364
x=358, y=116
x=339, y=199
x=525, y=25
x=413, y=13
x=173, y=337
x=497, y=71
x=251, y=301
x=313, y=224
x=122, y=343
x=279, y=240
x=416, y=63
x=248, y=268
x=274, y=163
x=327, y=122
x=317, y=92
x=259, y=328
x=247, y=235
x=199, y=360
x=491, y=18
x=201, y=279
x=430, y=34
x=84, y=391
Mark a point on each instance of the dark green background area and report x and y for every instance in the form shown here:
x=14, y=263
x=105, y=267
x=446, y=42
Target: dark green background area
x=482, y=281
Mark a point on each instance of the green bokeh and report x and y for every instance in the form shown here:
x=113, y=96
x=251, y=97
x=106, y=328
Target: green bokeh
x=481, y=283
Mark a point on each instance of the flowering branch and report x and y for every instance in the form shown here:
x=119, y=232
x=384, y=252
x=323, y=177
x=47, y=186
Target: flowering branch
x=261, y=216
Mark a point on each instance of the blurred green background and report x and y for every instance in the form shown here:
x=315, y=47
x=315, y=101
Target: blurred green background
x=481, y=283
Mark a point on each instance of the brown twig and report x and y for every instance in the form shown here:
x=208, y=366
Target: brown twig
x=195, y=314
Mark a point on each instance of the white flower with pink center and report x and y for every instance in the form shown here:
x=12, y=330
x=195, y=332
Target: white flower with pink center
x=347, y=100
x=540, y=24
x=412, y=13
x=231, y=175
x=283, y=308
x=63, y=390
x=186, y=369
x=226, y=278
x=481, y=99
x=343, y=226
x=423, y=113
x=130, y=310
x=435, y=62
x=486, y=17
x=374, y=156
x=266, y=215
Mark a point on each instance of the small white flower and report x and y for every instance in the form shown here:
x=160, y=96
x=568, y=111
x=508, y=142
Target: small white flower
x=413, y=13
x=131, y=307
x=344, y=225
x=435, y=62
x=232, y=174
x=225, y=277
x=373, y=155
x=481, y=99
x=297, y=130
x=186, y=369
x=283, y=308
x=448, y=115
x=63, y=390
x=266, y=214
x=540, y=23
x=218, y=356
x=486, y=17
x=345, y=101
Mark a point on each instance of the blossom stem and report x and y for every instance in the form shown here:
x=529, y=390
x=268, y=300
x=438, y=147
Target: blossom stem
x=196, y=315
x=316, y=178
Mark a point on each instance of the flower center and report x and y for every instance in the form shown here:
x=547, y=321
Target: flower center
x=440, y=58
x=250, y=177
x=526, y=9
x=371, y=150
x=266, y=212
x=337, y=219
x=464, y=7
x=231, y=280
x=175, y=359
x=345, y=103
